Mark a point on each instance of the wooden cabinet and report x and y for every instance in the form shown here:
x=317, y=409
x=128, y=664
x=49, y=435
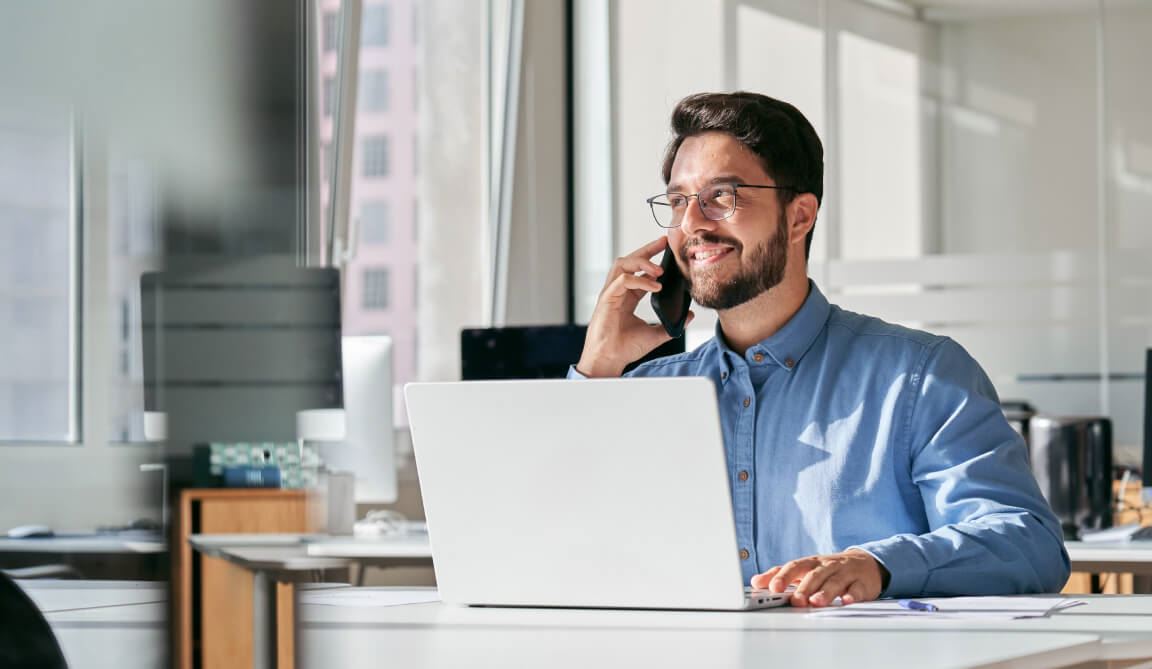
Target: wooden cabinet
x=212, y=612
x=1113, y=583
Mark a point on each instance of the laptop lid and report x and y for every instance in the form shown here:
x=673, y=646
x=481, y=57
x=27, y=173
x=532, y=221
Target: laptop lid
x=598, y=493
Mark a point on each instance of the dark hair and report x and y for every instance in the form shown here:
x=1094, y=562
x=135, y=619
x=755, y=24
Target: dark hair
x=774, y=130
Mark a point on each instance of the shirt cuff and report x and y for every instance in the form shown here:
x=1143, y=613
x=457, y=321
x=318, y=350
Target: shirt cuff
x=907, y=571
x=573, y=374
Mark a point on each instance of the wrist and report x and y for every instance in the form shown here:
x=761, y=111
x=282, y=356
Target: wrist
x=881, y=570
x=597, y=369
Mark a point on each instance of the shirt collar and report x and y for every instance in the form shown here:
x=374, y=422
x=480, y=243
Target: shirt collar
x=787, y=345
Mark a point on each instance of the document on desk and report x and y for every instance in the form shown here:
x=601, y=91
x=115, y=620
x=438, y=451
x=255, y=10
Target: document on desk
x=370, y=597
x=952, y=608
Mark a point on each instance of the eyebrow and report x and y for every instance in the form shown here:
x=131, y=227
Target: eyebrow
x=721, y=179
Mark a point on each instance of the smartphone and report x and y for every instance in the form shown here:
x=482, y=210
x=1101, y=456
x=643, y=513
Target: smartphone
x=671, y=303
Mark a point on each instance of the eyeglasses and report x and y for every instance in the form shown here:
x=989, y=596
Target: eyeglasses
x=716, y=202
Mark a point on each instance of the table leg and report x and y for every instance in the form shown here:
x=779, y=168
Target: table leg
x=263, y=651
x=285, y=625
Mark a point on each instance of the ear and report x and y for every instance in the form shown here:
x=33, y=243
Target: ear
x=802, y=212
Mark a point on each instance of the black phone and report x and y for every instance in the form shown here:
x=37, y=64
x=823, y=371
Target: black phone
x=672, y=302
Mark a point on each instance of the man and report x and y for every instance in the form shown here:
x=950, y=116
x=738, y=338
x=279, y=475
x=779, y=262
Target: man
x=865, y=459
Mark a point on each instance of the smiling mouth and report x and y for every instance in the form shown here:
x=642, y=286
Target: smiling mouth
x=706, y=257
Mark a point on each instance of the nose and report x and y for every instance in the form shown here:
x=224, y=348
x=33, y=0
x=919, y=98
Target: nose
x=694, y=220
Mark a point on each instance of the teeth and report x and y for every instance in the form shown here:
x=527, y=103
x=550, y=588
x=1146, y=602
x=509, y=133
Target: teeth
x=704, y=255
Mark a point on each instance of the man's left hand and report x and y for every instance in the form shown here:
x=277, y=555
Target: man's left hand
x=853, y=576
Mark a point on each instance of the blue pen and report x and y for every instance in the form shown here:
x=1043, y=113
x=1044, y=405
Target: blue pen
x=913, y=605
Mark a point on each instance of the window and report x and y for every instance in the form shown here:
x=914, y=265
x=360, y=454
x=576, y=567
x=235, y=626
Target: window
x=375, y=289
x=375, y=156
x=329, y=95
x=37, y=315
x=330, y=32
x=375, y=222
x=374, y=95
x=375, y=26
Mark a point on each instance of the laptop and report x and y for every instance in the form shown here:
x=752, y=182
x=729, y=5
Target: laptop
x=607, y=493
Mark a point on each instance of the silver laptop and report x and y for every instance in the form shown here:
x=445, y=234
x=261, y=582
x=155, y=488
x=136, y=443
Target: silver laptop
x=599, y=493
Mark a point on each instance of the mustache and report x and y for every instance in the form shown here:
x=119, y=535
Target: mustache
x=708, y=238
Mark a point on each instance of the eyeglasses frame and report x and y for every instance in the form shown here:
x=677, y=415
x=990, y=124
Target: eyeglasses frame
x=735, y=201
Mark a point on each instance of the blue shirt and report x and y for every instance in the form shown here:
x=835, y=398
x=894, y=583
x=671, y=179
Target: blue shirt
x=842, y=430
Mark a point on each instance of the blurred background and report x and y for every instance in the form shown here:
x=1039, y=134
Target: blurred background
x=199, y=199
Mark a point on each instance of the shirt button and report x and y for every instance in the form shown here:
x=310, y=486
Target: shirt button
x=723, y=376
x=743, y=476
x=789, y=363
x=759, y=357
x=744, y=553
x=747, y=402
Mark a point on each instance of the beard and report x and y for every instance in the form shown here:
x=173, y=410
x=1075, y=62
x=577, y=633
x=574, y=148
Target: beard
x=760, y=271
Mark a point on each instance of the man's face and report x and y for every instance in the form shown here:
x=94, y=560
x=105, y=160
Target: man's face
x=728, y=262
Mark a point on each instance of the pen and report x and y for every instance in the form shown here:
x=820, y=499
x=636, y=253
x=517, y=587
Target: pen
x=913, y=605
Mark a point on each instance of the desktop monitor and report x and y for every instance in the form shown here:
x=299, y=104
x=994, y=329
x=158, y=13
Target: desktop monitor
x=368, y=449
x=532, y=352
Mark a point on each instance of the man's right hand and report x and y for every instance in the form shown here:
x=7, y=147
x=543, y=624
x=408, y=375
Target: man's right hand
x=616, y=336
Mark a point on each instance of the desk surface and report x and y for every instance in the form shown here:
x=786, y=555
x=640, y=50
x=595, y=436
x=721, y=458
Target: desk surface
x=414, y=545
x=105, y=624
x=276, y=557
x=435, y=635
x=1127, y=556
x=122, y=542
x=1124, y=623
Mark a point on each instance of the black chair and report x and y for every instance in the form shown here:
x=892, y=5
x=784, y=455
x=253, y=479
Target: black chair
x=26, y=640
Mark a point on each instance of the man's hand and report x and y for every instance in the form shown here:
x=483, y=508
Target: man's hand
x=853, y=576
x=616, y=336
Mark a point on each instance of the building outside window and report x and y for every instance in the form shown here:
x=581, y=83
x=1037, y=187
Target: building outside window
x=374, y=156
x=375, y=25
x=329, y=35
x=374, y=94
x=375, y=289
x=375, y=222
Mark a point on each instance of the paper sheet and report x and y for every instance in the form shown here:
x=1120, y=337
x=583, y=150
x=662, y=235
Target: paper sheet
x=952, y=608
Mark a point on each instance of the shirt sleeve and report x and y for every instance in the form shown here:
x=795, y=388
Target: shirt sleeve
x=992, y=531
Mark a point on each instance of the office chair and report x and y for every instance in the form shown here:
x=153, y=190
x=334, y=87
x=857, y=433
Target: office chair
x=26, y=640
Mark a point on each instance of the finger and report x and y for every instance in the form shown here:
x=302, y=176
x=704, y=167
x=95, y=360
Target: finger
x=761, y=581
x=812, y=583
x=634, y=267
x=631, y=282
x=835, y=586
x=639, y=260
x=856, y=593
x=792, y=571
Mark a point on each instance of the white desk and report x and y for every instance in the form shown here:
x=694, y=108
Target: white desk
x=1120, y=556
x=105, y=624
x=388, y=547
x=118, y=542
x=433, y=635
